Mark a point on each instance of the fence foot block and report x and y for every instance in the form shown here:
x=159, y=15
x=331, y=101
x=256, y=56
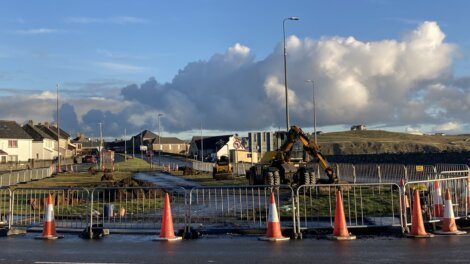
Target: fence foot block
x=11, y=232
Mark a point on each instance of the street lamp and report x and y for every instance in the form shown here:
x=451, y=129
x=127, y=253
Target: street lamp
x=159, y=138
x=58, y=133
x=314, y=112
x=285, y=67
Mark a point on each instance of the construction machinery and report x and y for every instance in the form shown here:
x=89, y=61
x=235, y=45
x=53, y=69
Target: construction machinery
x=276, y=167
x=222, y=169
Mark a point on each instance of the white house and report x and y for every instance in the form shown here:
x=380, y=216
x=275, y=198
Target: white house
x=15, y=142
x=214, y=147
x=44, y=145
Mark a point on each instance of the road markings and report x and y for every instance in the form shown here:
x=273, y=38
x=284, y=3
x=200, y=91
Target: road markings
x=61, y=262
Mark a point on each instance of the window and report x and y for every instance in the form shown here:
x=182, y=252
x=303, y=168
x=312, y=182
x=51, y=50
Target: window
x=13, y=158
x=248, y=155
x=4, y=159
x=12, y=143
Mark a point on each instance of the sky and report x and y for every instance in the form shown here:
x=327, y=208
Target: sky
x=396, y=65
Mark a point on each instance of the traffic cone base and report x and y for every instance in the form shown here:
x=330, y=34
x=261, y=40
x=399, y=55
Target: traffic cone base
x=273, y=239
x=48, y=237
x=340, y=238
x=176, y=238
x=458, y=232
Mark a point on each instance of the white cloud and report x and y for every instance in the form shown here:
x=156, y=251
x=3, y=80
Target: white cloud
x=36, y=31
x=448, y=127
x=120, y=20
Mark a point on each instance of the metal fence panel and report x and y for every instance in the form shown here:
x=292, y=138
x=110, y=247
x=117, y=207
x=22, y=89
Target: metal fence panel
x=70, y=207
x=420, y=172
x=364, y=205
x=136, y=207
x=5, y=206
x=392, y=173
x=459, y=169
x=366, y=173
x=239, y=207
x=346, y=172
x=459, y=188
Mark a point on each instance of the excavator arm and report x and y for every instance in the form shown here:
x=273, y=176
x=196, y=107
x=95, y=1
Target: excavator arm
x=296, y=134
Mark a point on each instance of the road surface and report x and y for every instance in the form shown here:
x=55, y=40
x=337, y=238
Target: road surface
x=141, y=249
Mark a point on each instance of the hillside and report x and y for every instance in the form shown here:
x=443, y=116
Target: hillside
x=379, y=142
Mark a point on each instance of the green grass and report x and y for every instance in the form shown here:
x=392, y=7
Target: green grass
x=205, y=179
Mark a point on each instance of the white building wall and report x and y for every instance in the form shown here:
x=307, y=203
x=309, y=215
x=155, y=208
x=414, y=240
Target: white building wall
x=44, y=150
x=23, y=151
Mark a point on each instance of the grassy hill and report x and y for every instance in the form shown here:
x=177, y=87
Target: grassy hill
x=379, y=141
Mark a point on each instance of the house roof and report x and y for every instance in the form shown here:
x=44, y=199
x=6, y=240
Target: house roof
x=3, y=153
x=52, y=131
x=213, y=142
x=36, y=133
x=10, y=129
x=168, y=140
x=146, y=134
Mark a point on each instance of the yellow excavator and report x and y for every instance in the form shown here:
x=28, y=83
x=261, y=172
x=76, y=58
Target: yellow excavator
x=222, y=169
x=276, y=167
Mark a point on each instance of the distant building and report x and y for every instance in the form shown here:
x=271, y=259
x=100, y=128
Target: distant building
x=439, y=134
x=169, y=145
x=44, y=145
x=358, y=127
x=66, y=147
x=212, y=148
x=86, y=145
x=15, y=144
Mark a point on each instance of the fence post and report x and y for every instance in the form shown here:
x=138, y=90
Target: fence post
x=337, y=171
x=379, y=173
x=354, y=173
x=90, y=230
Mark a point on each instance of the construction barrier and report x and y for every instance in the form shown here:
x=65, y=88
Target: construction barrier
x=15, y=177
x=365, y=205
x=137, y=208
x=430, y=197
x=234, y=208
x=71, y=207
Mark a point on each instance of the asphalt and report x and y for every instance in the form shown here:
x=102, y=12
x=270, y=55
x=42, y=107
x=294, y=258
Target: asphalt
x=141, y=249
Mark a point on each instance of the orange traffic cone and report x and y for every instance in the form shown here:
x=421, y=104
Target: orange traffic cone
x=438, y=207
x=167, y=233
x=340, y=231
x=417, y=224
x=274, y=232
x=448, y=223
x=49, y=222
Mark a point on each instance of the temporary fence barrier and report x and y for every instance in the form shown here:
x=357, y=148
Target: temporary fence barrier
x=5, y=206
x=420, y=172
x=365, y=205
x=203, y=166
x=239, y=207
x=70, y=207
x=15, y=177
x=136, y=207
x=458, y=186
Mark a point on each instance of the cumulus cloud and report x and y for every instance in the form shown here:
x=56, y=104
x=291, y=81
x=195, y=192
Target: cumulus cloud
x=36, y=31
x=407, y=82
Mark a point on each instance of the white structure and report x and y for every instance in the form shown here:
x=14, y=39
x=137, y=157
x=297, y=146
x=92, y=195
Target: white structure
x=15, y=142
x=44, y=145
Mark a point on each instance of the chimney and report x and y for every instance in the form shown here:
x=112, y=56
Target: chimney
x=30, y=122
x=46, y=124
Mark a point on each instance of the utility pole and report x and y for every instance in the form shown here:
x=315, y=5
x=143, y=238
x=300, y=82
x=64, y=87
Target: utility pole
x=314, y=112
x=133, y=147
x=125, y=145
x=159, y=140
x=202, y=145
x=141, y=144
x=58, y=133
x=101, y=147
x=285, y=69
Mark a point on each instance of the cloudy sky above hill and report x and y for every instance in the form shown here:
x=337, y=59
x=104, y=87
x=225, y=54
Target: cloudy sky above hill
x=372, y=63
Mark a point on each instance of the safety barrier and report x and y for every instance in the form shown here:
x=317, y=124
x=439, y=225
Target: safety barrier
x=135, y=207
x=203, y=166
x=5, y=206
x=365, y=205
x=70, y=206
x=239, y=207
x=458, y=186
x=15, y=177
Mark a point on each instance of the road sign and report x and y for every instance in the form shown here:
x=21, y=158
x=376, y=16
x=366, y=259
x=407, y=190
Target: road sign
x=143, y=148
x=237, y=144
x=419, y=168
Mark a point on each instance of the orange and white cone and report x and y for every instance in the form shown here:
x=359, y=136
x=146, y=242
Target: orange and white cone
x=438, y=206
x=340, y=230
x=417, y=224
x=448, y=223
x=167, y=233
x=48, y=231
x=274, y=232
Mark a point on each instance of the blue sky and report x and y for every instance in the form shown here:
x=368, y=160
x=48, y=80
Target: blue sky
x=106, y=45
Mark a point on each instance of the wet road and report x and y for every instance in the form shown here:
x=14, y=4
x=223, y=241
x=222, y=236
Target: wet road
x=141, y=249
x=164, y=180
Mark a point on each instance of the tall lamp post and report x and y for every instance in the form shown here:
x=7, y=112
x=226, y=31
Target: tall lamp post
x=314, y=111
x=58, y=133
x=285, y=68
x=159, y=140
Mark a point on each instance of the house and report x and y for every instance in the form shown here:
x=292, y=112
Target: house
x=44, y=146
x=358, y=127
x=86, y=145
x=66, y=147
x=212, y=148
x=15, y=143
x=144, y=138
x=3, y=156
x=169, y=145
